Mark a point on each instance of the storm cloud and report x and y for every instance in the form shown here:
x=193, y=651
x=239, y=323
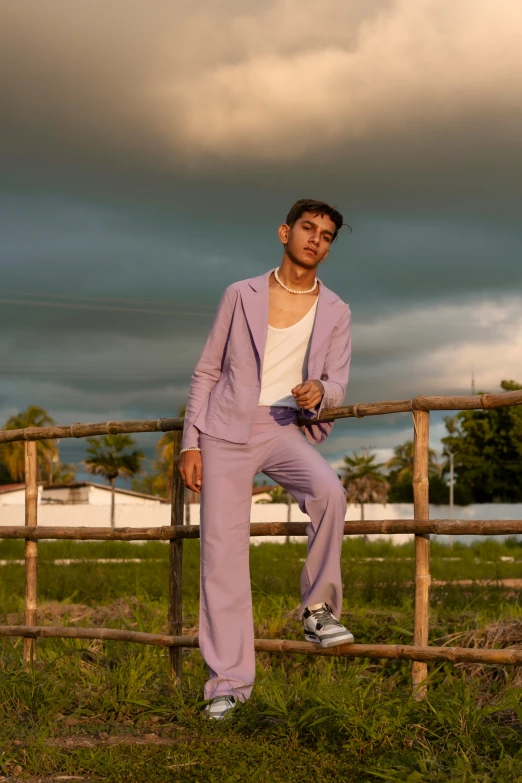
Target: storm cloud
x=149, y=151
x=136, y=93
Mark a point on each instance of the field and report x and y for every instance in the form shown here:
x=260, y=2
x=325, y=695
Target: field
x=104, y=711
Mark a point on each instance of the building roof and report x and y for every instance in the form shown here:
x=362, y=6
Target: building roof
x=4, y=488
x=265, y=488
x=10, y=488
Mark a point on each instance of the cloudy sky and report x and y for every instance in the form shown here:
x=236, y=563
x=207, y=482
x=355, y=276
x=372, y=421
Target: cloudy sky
x=149, y=152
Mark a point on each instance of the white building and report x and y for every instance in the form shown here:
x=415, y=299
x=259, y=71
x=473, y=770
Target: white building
x=84, y=504
x=87, y=504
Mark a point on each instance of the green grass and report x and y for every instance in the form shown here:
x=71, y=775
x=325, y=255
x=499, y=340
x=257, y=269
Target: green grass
x=309, y=719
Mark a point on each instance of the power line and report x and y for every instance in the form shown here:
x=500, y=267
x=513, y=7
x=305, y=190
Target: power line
x=177, y=309
x=103, y=299
x=94, y=375
x=53, y=365
x=91, y=370
x=59, y=371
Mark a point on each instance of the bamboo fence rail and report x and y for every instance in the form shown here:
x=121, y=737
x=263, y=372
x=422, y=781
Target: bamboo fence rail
x=89, y=430
x=458, y=403
x=421, y=403
x=390, y=651
x=446, y=527
x=420, y=653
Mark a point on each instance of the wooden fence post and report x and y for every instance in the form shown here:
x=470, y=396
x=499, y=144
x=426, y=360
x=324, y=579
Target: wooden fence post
x=31, y=547
x=421, y=510
x=176, y=565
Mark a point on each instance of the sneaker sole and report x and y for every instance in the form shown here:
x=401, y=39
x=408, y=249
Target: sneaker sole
x=222, y=716
x=218, y=717
x=325, y=643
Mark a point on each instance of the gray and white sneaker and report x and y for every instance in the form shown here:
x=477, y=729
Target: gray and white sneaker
x=219, y=707
x=321, y=627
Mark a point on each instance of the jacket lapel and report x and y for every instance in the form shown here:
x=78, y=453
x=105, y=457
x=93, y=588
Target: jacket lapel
x=254, y=295
x=255, y=298
x=326, y=317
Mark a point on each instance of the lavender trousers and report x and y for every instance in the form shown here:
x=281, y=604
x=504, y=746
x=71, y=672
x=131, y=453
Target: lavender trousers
x=278, y=448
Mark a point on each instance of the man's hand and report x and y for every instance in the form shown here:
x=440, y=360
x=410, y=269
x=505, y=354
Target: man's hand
x=308, y=394
x=191, y=469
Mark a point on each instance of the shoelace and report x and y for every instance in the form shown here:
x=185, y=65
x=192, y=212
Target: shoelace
x=325, y=617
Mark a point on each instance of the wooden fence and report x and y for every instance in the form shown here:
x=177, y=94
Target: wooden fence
x=420, y=652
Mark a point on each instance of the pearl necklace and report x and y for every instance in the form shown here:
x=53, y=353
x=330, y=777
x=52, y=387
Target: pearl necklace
x=291, y=290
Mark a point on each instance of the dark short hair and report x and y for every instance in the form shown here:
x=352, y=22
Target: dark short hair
x=316, y=208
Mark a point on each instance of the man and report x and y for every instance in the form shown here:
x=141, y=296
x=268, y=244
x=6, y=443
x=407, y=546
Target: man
x=280, y=342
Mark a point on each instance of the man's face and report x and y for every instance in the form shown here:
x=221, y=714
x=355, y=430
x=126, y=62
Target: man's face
x=308, y=241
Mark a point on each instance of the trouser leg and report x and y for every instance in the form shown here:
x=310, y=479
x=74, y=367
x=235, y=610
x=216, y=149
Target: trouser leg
x=301, y=470
x=226, y=628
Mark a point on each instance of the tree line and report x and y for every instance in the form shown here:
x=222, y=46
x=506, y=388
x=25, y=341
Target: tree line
x=486, y=448
x=485, y=445
x=109, y=456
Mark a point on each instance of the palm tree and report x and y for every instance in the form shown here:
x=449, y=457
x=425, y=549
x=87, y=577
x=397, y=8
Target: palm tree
x=5, y=476
x=364, y=480
x=162, y=482
x=108, y=458
x=278, y=495
x=13, y=454
x=367, y=489
x=401, y=464
x=163, y=465
x=60, y=472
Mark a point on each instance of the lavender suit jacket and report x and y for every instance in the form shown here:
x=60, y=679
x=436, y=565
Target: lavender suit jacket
x=225, y=386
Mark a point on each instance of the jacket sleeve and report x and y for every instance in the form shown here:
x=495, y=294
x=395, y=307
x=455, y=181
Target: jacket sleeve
x=208, y=369
x=336, y=368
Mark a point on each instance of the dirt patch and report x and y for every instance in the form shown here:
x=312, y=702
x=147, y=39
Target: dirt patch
x=509, y=582
x=89, y=741
x=507, y=718
x=55, y=613
x=54, y=779
x=103, y=740
x=497, y=634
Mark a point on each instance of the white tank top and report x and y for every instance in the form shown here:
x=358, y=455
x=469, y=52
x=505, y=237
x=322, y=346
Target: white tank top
x=286, y=360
